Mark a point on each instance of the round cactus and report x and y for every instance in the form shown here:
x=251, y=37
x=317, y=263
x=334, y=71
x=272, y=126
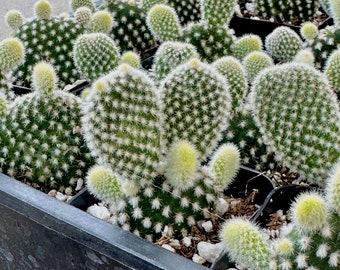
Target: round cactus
x=332, y=70
x=131, y=58
x=169, y=55
x=233, y=71
x=195, y=112
x=103, y=183
x=95, y=54
x=285, y=100
x=45, y=78
x=283, y=44
x=309, y=31
x=256, y=61
x=46, y=145
x=245, y=45
x=14, y=19
x=130, y=30
x=122, y=125
x=163, y=22
x=245, y=244
x=217, y=12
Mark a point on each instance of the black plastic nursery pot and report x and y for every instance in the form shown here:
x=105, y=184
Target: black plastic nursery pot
x=247, y=181
x=279, y=198
x=40, y=232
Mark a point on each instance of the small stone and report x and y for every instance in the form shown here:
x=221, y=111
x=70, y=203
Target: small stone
x=221, y=206
x=175, y=243
x=209, y=251
x=68, y=191
x=52, y=193
x=80, y=183
x=186, y=241
x=198, y=259
x=61, y=197
x=168, y=247
x=99, y=212
x=208, y=226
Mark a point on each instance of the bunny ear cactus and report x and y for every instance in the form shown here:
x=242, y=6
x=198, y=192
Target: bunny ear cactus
x=311, y=238
x=122, y=123
x=100, y=22
x=164, y=23
x=216, y=12
x=12, y=53
x=283, y=44
x=245, y=45
x=287, y=11
x=233, y=71
x=245, y=243
x=197, y=105
x=298, y=116
x=171, y=54
x=179, y=199
x=332, y=70
x=129, y=31
x=41, y=134
x=95, y=54
x=14, y=19
x=256, y=61
x=244, y=133
x=75, y=4
x=48, y=38
x=131, y=58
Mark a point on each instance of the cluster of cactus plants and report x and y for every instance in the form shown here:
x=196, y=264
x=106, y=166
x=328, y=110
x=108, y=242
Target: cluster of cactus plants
x=166, y=144
x=308, y=242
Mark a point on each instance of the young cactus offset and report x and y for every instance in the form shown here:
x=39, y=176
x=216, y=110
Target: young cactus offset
x=197, y=105
x=299, y=118
x=41, y=135
x=245, y=45
x=256, y=61
x=12, y=52
x=95, y=54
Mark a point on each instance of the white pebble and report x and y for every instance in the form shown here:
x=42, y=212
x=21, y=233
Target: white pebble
x=250, y=7
x=52, y=193
x=198, y=259
x=99, y=212
x=61, y=197
x=186, y=241
x=175, y=243
x=80, y=183
x=168, y=247
x=208, y=226
x=221, y=206
x=209, y=251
